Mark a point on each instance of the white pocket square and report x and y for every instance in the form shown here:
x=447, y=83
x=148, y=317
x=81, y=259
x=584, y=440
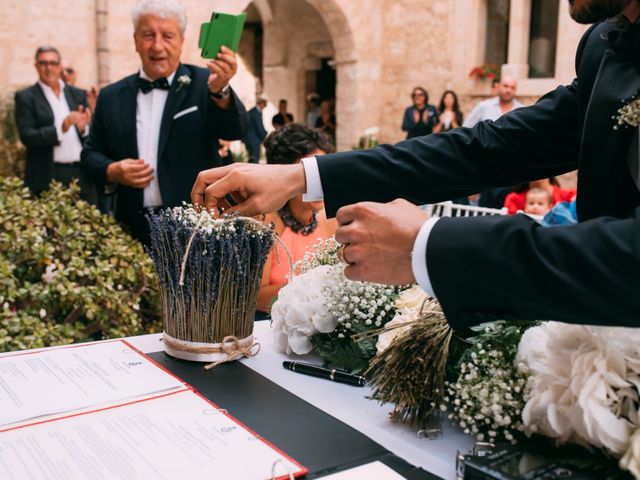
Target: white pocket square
x=185, y=112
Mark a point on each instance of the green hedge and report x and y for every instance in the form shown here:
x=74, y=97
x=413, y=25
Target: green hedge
x=12, y=152
x=69, y=273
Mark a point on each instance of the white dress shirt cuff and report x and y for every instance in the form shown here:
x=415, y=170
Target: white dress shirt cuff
x=312, y=175
x=419, y=256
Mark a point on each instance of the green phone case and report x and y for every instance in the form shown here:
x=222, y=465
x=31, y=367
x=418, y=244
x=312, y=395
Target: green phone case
x=223, y=29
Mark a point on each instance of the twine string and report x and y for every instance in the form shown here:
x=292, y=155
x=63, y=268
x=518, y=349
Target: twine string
x=235, y=350
x=188, y=249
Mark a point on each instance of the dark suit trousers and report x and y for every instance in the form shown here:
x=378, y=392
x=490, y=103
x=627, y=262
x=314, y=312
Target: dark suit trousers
x=65, y=173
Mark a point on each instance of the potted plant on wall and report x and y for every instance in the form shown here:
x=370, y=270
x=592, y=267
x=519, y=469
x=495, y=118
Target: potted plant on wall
x=483, y=75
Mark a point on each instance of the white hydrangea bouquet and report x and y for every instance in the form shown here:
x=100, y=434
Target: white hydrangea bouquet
x=320, y=310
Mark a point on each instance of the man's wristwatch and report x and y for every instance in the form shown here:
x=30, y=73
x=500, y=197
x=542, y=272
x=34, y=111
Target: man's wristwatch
x=222, y=94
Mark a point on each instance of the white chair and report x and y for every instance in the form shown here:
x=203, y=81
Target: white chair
x=450, y=209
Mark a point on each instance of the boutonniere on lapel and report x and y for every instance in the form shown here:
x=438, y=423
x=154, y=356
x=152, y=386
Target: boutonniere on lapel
x=628, y=114
x=183, y=81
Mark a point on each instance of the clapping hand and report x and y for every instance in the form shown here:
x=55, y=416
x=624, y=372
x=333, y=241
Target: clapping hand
x=92, y=98
x=80, y=118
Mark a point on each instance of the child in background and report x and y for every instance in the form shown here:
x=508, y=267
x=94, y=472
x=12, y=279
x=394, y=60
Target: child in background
x=537, y=202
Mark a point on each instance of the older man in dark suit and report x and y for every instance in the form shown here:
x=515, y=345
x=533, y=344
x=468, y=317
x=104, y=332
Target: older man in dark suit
x=154, y=131
x=488, y=268
x=52, y=120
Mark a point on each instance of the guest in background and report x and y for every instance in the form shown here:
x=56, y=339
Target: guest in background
x=68, y=73
x=449, y=114
x=515, y=201
x=537, y=202
x=495, y=87
x=53, y=122
x=420, y=118
x=326, y=123
x=313, y=104
x=153, y=131
x=256, y=132
x=283, y=117
x=495, y=107
x=299, y=224
x=69, y=76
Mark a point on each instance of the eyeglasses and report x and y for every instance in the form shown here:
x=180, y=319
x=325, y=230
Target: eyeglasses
x=417, y=94
x=68, y=70
x=45, y=63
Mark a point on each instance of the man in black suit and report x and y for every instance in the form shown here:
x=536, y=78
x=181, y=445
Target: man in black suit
x=488, y=268
x=256, y=133
x=52, y=120
x=153, y=131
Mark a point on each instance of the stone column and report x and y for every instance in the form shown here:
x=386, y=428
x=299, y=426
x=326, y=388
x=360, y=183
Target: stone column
x=102, y=42
x=519, y=26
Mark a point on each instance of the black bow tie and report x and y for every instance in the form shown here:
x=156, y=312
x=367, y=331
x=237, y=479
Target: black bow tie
x=145, y=86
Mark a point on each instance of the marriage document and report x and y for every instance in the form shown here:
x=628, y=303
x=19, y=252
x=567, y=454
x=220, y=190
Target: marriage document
x=178, y=435
x=67, y=379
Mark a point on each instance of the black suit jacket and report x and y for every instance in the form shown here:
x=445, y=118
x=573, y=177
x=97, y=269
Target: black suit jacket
x=190, y=128
x=34, y=119
x=509, y=267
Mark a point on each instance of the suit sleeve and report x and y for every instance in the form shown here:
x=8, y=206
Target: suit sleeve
x=231, y=123
x=511, y=268
x=95, y=157
x=528, y=143
x=31, y=135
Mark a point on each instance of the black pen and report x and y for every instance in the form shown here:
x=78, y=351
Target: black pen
x=328, y=373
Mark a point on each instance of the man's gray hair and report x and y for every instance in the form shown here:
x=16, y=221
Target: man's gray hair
x=160, y=8
x=47, y=49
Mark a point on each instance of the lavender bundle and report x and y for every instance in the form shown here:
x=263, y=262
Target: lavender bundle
x=209, y=271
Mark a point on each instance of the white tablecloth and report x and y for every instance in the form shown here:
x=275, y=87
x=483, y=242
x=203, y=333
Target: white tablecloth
x=349, y=405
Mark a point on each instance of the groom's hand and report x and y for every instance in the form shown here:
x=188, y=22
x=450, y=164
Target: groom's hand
x=248, y=188
x=378, y=239
x=131, y=172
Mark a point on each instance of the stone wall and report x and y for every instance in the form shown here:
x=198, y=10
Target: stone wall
x=381, y=50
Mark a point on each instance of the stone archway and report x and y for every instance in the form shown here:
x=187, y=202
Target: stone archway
x=345, y=65
x=298, y=38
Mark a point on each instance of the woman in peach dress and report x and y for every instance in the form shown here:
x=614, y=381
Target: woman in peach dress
x=299, y=224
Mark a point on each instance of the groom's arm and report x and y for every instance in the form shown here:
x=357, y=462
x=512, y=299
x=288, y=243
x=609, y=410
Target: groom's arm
x=529, y=143
x=511, y=268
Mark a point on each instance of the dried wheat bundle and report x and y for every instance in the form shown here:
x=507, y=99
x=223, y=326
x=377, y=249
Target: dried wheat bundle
x=411, y=372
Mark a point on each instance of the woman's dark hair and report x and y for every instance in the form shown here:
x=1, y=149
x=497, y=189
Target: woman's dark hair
x=456, y=105
x=293, y=142
x=424, y=92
